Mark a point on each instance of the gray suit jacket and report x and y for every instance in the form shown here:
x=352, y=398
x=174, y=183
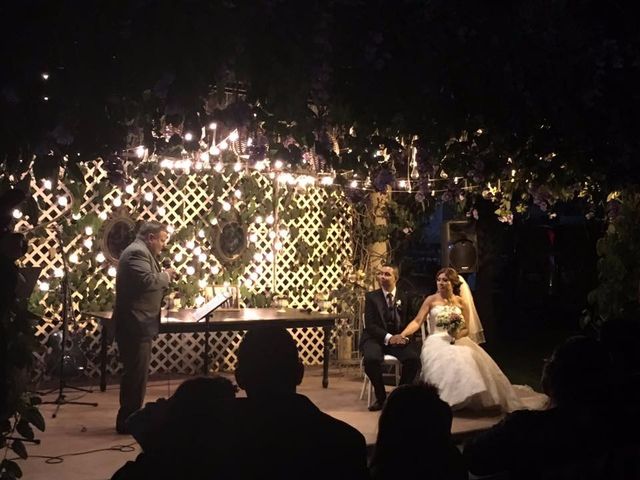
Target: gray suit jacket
x=140, y=286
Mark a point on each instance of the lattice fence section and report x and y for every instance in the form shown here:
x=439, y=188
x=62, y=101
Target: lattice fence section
x=182, y=200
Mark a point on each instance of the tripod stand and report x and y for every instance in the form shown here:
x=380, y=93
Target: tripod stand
x=67, y=309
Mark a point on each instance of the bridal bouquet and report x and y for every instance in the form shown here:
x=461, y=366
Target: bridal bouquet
x=450, y=320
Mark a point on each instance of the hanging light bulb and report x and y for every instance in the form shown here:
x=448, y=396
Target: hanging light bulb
x=190, y=270
x=100, y=257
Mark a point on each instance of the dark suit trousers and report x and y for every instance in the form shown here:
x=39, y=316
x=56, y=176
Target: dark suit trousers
x=373, y=353
x=135, y=355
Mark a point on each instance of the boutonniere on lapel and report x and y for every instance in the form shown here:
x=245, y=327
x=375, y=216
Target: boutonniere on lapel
x=398, y=304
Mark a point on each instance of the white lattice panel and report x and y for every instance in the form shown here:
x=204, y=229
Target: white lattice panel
x=188, y=200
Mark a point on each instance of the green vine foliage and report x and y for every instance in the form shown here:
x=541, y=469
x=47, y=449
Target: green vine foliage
x=617, y=293
x=19, y=412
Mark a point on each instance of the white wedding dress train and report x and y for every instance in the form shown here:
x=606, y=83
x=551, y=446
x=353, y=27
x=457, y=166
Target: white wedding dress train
x=467, y=377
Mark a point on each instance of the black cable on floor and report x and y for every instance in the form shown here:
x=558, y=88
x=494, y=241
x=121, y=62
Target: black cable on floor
x=56, y=459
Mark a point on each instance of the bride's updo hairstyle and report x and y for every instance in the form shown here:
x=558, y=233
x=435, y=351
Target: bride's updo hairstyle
x=452, y=276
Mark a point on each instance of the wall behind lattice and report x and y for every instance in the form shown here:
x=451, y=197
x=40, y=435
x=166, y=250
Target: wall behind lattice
x=181, y=200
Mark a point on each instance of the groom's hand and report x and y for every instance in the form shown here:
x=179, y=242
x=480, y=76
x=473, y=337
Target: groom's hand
x=398, y=340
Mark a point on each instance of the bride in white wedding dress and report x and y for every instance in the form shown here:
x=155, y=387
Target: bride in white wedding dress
x=465, y=375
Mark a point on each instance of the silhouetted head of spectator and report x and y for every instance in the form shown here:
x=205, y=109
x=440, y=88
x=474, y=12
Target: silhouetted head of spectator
x=268, y=362
x=621, y=336
x=197, y=394
x=577, y=372
x=414, y=412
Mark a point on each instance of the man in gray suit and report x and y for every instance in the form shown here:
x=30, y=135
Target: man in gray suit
x=140, y=285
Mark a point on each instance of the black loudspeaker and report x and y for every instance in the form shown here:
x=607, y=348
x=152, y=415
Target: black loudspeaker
x=459, y=246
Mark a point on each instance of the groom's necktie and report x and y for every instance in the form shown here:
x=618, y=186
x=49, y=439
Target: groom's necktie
x=393, y=312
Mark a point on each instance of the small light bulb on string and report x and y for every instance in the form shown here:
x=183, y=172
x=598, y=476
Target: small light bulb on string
x=259, y=219
x=161, y=211
x=219, y=167
x=117, y=202
x=237, y=167
x=270, y=219
x=17, y=214
x=178, y=257
x=253, y=238
x=277, y=164
x=88, y=243
x=148, y=196
x=254, y=276
x=215, y=270
x=88, y=230
x=272, y=235
x=112, y=271
x=202, y=283
x=269, y=257
x=63, y=201
x=46, y=183
x=202, y=257
x=354, y=184
x=73, y=258
x=43, y=286
x=78, y=216
x=191, y=270
x=140, y=151
x=223, y=145
x=197, y=166
x=258, y=257
x=100, y=257
x=58, y=273
x=233, y=136
x=214, y=150
x=278, y=245
x=190, y=244
x=204, y=157
x=197, y=251
x=284, y=233
x=201, y=233
x=214, y=221
x=402, y=184
x=259, y=269
x=129, y=189
x=188, y=136
x=414, y=171
x=326, y=181
x=170, y=229
x=261, y=165
x=45, y=76
x=102, y=215
x=248, y=283
x=226, y=206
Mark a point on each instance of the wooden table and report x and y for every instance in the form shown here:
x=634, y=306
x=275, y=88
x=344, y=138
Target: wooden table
x=222, y=321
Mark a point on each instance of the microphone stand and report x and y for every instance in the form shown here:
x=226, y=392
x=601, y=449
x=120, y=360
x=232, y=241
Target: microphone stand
x=67, y=310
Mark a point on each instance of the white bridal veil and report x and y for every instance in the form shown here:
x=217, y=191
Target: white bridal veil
x=476, y=333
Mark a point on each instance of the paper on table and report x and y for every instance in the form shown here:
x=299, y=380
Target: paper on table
x=210, y=306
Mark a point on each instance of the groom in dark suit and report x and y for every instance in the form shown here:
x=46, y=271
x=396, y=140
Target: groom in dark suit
x=386, y=313
x=140, y=285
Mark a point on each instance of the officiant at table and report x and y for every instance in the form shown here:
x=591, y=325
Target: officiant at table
x=141, y=283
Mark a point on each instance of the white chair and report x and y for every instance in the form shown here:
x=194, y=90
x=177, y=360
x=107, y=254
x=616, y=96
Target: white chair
x=392, y=364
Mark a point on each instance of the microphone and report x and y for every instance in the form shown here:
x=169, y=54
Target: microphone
x=166, y=263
